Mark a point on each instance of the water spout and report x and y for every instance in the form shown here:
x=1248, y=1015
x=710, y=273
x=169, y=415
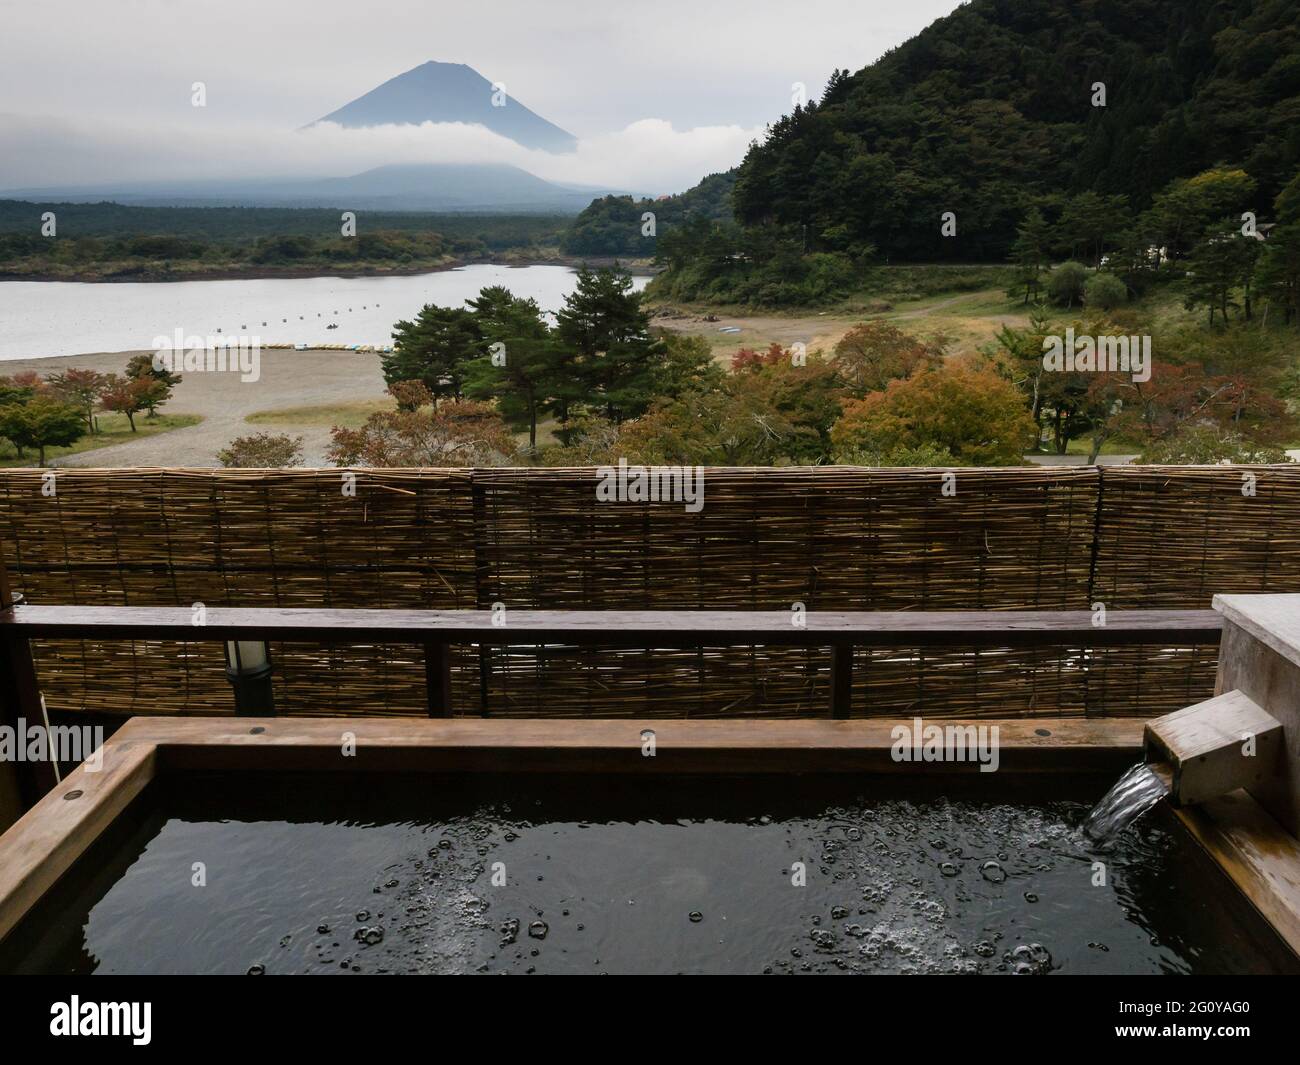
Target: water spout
x=1136, y=792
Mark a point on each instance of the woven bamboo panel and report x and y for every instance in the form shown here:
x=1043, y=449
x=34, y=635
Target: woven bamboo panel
x=828, y=537
x=1174, y=536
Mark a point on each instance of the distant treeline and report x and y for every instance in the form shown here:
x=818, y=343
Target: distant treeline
x=243, y=225
x=109, y=240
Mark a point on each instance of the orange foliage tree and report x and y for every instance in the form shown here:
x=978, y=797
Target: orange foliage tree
x=965, y=406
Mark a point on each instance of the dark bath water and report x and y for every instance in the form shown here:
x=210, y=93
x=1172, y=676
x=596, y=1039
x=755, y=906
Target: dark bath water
x=636, y=874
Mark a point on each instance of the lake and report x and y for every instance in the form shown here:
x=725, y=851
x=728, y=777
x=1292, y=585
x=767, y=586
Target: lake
x=39, y=318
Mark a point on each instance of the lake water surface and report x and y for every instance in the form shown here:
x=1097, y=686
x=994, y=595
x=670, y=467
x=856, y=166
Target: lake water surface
x=39, y=318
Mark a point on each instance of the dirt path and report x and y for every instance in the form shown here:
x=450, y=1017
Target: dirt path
x=923, y=312
x=758, y=331
x=287, y=379
x=824, y=330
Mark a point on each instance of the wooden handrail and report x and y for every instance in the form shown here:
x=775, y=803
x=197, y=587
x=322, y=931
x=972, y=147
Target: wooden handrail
x=626, y=628
x=438, y=630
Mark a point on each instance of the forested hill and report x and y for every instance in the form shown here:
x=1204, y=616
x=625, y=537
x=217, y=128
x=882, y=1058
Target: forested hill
x=616, y=225
x=991, y=109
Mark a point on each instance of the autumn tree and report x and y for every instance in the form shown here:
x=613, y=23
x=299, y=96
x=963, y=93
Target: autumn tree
x=81, y=389
x=734, y=426
x=1178, y=398
x=872, y=354
x=141, y=367
x=130, y=395
x=965, y=406
x=455, y=433
x=262, y=451
x=805, y=390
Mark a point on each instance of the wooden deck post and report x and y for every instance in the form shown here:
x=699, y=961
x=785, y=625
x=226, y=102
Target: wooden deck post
x=841, y=680
x=22, y=782
x=437, y=677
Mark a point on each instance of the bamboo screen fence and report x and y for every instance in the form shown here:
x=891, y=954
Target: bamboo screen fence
x=829, y=537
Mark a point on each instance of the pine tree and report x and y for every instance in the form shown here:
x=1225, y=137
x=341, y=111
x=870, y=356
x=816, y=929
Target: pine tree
x=607, y=331
x=1030, y=251
x=523, y=362
x=435, y=348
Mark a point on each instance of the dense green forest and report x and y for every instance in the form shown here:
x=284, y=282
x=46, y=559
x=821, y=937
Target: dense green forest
x=110, y=240
x=1002, y=107
x=615, y=225
x=242, y=224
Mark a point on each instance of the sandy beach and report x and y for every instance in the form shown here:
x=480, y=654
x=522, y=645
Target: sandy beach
x=288, y=379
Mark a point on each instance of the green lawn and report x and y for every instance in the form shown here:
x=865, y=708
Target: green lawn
x=113, y=429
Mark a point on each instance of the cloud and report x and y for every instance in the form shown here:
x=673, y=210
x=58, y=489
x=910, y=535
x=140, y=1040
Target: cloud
x=648, y=156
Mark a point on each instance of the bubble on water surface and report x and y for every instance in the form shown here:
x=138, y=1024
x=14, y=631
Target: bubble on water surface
x=993, y=872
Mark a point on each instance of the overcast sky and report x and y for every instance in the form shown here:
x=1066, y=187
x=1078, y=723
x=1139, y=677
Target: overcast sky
x=91, y=83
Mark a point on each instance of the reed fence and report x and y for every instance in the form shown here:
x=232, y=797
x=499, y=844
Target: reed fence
x=828, y=537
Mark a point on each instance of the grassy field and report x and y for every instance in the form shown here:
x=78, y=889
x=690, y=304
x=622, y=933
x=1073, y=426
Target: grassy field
x=968, y=319
x=113, y=429
x=324, y=416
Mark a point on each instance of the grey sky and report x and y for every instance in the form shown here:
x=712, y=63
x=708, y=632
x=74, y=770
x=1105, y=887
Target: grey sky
x=593, y=67
x=589, y=66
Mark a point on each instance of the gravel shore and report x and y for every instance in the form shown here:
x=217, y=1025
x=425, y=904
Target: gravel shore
x=287, y=379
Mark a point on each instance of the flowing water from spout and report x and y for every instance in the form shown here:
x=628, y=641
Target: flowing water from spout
x=1134, y=794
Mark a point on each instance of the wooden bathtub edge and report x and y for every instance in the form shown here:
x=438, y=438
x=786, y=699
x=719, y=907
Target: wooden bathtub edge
x=45, y=842
x=1255, y=853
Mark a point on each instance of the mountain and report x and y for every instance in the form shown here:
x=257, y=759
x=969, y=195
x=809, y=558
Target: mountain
x=451, y=92
x=991, y=109
x=451, y=187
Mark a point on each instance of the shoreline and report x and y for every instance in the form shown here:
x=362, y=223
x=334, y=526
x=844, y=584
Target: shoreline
x=636, y=267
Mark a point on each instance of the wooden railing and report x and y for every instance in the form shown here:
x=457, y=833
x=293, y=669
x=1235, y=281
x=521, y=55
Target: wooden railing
x=439, y=630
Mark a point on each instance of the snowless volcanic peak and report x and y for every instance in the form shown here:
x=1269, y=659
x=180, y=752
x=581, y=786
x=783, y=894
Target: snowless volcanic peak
x=452, y=92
